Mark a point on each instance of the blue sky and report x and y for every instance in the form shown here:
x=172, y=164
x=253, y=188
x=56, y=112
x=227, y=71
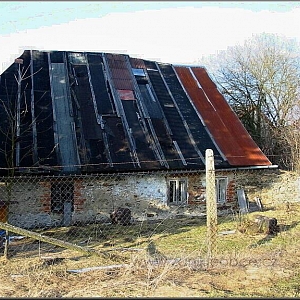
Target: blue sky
x=170, y=31
x=23, y=15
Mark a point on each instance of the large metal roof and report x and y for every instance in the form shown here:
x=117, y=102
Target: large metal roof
x=94, y=112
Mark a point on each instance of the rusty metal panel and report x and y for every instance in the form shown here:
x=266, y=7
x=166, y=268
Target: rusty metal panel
x=121, y=76
x=218, y=125
x=126, y=94
x=253, y=154
x=137, y=63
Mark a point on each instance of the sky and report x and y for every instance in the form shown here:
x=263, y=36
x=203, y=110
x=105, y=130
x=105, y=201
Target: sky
x=178, y=32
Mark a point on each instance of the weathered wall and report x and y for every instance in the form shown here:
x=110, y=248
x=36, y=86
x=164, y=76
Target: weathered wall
x=142, y=195
x=273, y=186
x=28, y=207
x=94, y=200
x=146, y=196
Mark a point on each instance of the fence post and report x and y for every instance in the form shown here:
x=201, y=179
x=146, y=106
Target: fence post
x=211, y=205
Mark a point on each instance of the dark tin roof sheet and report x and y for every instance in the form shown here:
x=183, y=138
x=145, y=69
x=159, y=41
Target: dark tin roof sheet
x=120, y=113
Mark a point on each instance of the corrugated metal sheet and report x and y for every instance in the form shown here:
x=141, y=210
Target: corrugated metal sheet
x=211, y=118
x=197, y=129
x=174, y=118
x=220, y=119
x=155, y=118
x=103, y=100
x=253, y=154
x=122, y=78
x=117, y=144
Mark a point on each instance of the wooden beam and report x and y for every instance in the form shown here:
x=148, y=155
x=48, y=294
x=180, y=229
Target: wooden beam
x=48, y=240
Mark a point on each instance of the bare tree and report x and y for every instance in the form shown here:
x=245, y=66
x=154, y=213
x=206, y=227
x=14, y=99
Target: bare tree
x=291, y=138
x=16, y=123
x=261, y=81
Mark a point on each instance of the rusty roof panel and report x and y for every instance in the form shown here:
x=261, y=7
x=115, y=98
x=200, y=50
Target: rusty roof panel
x=215, y=124
x=120, y=74
x=137, y=63
x=230, y=120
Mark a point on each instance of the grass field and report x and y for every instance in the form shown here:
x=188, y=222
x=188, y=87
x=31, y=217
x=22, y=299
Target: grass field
x=161, y=259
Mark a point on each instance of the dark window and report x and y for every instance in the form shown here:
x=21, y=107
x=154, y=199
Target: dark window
x=61, y=192
x=221, y=188
x=177, y=191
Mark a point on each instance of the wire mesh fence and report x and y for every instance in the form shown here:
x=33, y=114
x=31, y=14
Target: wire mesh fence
x=159, y=216
x=103, y=212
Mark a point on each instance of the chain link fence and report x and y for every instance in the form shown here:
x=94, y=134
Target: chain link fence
x=160, y=216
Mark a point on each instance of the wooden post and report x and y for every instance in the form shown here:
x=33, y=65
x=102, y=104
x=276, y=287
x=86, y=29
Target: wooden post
x=211, y=205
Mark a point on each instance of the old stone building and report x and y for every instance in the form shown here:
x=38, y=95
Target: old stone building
x=96, y=131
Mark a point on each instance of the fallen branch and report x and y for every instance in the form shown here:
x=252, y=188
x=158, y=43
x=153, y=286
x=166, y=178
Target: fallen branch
x=97, y=268
x=124, y=249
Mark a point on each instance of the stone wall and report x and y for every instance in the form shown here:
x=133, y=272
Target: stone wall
x=29, y=207
x=145, y=195
x=142, y=195
x=272, y=186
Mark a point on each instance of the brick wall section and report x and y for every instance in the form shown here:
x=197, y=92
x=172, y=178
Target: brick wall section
x=46, y=196
x=31, y=204
x=231, y=191
x=79, y=199
x=197, y=191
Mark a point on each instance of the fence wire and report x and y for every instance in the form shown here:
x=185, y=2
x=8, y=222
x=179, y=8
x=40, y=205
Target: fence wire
x=158, y=215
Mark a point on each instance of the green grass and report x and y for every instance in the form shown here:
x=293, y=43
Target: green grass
x=247, y=263
x=180, y=236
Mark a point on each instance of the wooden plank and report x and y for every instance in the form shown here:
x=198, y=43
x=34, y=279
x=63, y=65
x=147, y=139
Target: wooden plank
x=47, y=239
x=243, y=203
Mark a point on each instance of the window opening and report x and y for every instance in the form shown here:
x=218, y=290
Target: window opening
x=177, y=191
x=221, y=187
x=61, y=192
x=140, y=76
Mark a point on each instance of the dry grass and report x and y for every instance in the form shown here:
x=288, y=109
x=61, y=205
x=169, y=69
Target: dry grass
x=171, y=262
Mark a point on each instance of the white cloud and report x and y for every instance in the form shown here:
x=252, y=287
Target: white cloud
x=180, y=35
